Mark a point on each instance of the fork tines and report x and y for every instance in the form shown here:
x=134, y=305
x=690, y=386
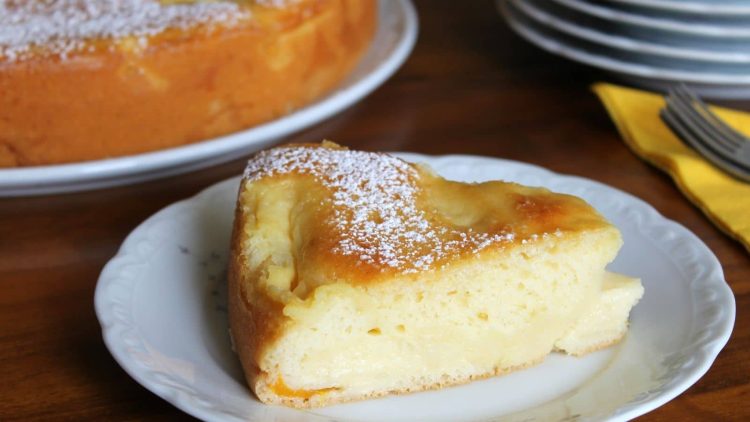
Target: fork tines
x=693, y=122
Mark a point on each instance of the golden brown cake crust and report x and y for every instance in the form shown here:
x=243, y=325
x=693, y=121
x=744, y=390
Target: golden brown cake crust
x=187, y=85
x=398, y=223
x=251, y=326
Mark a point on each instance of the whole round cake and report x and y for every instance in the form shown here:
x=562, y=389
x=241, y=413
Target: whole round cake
x=84, y=79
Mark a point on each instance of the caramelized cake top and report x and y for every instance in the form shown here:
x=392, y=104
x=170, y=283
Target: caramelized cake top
x=387, y=215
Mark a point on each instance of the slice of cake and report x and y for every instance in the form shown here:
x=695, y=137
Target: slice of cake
x=356, y=274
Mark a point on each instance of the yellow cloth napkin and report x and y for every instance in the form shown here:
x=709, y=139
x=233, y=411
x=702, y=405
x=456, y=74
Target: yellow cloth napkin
x=724, y=199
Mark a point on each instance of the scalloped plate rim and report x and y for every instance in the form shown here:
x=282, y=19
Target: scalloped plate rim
x=110, y=327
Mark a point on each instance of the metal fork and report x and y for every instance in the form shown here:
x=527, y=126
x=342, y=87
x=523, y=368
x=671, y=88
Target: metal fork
x=692, y=120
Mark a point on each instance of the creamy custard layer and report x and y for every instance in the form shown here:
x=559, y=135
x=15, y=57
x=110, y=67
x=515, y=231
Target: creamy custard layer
x=473, y=319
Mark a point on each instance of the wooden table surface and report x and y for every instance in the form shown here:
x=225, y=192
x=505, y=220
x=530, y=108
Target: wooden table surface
x=470, y=87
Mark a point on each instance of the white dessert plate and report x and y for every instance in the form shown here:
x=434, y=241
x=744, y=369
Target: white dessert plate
x=393, y=42
x=162, y=306
x=646, y=21
x=604, y=36
x=708, y=84
x=699, y=7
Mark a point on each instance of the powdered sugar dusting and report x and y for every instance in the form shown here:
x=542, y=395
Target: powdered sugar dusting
x=375, y=207
x=63, y=26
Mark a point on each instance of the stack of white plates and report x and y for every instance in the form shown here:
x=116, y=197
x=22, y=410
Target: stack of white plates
x=654, y=43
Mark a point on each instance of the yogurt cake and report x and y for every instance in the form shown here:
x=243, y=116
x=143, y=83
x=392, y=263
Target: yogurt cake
x=355, y=275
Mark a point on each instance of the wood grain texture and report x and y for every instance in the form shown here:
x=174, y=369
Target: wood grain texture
x=470, y=87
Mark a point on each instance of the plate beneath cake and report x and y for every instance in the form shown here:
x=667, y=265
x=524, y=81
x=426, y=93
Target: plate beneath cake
x=162, y=306
x=393, y=42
